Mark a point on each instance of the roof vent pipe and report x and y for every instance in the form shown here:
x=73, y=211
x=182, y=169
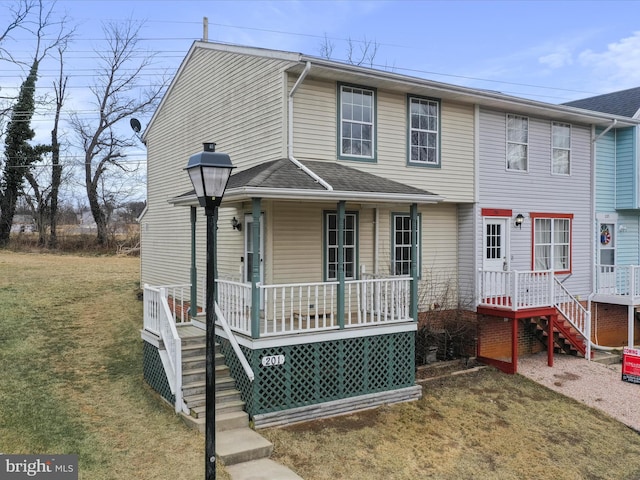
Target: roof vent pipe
x=306, y=170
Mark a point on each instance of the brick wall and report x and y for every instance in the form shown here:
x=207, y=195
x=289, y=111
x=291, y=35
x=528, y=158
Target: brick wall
x=610, y=325
x=495, y=338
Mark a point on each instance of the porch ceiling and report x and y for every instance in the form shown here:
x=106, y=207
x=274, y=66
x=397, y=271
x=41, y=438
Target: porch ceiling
x=282, y=179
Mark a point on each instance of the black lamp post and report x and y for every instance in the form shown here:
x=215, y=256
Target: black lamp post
x=209, y=172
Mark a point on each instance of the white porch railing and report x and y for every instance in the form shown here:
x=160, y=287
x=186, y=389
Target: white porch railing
x=306, y=307
x=516, y=290
x=618, y=280
x=159, y=319
x=578, y=316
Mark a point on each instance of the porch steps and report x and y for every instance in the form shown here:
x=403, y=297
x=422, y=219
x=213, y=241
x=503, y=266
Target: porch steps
x=566, y=339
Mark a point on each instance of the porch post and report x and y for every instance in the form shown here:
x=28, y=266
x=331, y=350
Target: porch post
x=193, y=307
x=340, y=292
x=514, y=344
x=550, y=338
x=255, y=268
x=413, y=302
x=631, y=319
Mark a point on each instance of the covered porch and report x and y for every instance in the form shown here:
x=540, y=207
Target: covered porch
x=338, y=335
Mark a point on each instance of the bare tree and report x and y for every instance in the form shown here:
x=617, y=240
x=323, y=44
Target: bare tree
x=117, y=96
x=359, y=52
x=19, y=154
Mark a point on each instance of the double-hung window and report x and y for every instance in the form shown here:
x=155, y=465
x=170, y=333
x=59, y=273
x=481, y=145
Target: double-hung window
x=561, y=148
x=349, y=245
x=552, y=242
x=517, y=143
x=401, y=232
x=356, y=132
x=424, y=128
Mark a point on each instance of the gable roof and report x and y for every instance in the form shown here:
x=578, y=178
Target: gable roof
x=625, y=103
x=282, y=179
x=383, y=79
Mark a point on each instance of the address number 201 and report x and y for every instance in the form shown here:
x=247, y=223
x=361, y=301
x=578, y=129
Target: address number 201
x=272, y=360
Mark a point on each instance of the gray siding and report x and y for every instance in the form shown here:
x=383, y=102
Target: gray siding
x=538, y=191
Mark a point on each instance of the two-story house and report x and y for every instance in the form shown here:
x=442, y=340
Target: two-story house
x=360, y=195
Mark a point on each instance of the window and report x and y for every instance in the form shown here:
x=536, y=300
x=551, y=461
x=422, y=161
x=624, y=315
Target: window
x=424, y=127
x=561, y=148
x=357, y=126
x=552, y=242
x=401, y=231
x=349, y=246
x=517, y=143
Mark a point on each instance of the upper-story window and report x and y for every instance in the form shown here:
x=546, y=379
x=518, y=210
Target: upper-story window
x=561, y=148
x=424, y=131
x=356, y=132
x=517, y=143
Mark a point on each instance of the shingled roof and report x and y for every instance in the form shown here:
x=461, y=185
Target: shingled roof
x=276, y=178
x=624, y=103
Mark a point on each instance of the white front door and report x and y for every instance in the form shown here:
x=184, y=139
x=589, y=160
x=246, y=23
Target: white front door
x=495, y=257
x=607, y=259
x=249, y=255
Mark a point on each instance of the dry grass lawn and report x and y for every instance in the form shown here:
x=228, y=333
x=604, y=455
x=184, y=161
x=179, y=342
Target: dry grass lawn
x=71, y=363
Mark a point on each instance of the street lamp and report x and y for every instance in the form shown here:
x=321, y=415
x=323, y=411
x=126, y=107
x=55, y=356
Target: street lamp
x=209, y=172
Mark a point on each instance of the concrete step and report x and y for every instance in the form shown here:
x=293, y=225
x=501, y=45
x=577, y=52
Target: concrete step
x=221, y=408
x=606, y=357
x=241, y=445
x=224, y=421
x=263, y=469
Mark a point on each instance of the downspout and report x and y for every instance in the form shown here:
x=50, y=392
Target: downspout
x=306, y=170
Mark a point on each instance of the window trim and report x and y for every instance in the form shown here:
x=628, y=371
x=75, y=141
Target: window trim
x=325, y=245
x=551, y=216
x=395, y=215
x=554, y=148
x=507, y=142
x=374, y=125
x=416, y=163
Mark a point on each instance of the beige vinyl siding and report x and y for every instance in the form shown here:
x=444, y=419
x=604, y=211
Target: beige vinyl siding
x=234, y=100
x=315, y=137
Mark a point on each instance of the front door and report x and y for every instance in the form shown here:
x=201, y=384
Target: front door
x=607, y=259
x=495, y=253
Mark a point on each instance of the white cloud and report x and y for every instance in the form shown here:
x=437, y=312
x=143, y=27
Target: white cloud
x=619, y=63
x=558, y=59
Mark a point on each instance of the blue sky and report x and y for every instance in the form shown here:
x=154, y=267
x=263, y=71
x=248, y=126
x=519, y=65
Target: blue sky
x=552, y=51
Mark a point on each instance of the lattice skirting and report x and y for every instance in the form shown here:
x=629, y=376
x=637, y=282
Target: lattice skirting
x=154, y=373
x=315, y=373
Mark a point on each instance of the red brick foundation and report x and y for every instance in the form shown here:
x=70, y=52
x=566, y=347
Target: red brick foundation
x=610, y=325
x=494, y=336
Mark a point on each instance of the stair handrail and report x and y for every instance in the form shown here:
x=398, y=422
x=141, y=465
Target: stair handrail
x=577, y=315
x=173, y=345
x=234, y=343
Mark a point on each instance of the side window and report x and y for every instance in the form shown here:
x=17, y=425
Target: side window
x=424, y=132
x=401, y=233
x=517, y=143
x=561, y=148
x=356, y=125
x=331, y=246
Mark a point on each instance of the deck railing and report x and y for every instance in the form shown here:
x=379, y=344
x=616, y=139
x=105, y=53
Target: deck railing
x=618, y=280
x=516, y=290
x=377, y=300
x=577, y=315
x=159, y=319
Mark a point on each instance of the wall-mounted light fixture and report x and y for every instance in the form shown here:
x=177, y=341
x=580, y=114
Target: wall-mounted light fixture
x=519, y=220
x=236, y=224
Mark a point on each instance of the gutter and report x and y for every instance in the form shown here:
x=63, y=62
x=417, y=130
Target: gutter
x=293, y=159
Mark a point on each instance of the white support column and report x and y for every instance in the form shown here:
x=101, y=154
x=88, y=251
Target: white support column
x=631, y=319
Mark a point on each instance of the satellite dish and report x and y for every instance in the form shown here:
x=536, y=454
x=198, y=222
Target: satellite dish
x=135, y=125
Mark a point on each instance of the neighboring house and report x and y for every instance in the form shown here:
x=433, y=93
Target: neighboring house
x=616, y=288
x=360, y=196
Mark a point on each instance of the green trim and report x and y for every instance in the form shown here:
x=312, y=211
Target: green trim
x=374, y=147
x=414, y=264
x=393, y=242
x=154, y=374
x=341, y=289
x=255, y=268
x=193, y=307
x=325, y=241
x=439, y=153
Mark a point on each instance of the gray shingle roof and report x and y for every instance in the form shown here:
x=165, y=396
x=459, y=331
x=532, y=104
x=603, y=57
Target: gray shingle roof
x=625, y=103
x=285, y=174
